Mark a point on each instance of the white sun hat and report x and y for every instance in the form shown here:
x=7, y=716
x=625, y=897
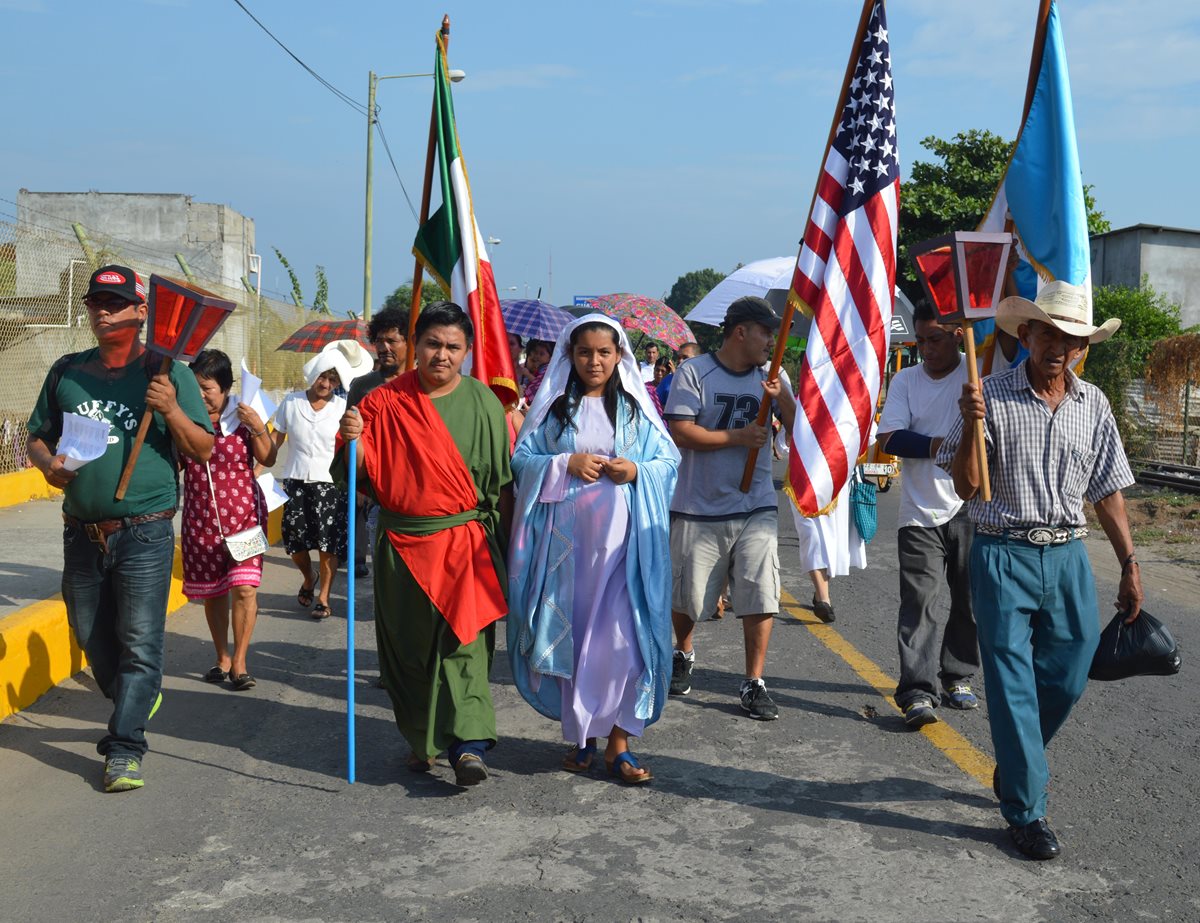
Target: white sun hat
x=346, y=357
x=1059, y=304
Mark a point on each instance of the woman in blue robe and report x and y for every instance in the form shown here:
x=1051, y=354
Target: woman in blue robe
x=589, y=625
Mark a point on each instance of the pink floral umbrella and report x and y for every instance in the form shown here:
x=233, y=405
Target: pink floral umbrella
x=647, y=315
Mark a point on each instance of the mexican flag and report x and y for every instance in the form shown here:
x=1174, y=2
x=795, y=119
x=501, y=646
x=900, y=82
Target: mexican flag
x=450, y=247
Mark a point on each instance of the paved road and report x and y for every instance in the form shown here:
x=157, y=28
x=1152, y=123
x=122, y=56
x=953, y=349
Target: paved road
x=834, y=812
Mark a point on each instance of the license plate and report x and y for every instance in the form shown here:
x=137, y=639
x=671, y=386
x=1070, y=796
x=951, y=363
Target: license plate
x=878, y=469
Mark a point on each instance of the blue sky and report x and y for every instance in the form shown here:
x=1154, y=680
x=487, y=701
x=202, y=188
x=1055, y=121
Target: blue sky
x=621, y=143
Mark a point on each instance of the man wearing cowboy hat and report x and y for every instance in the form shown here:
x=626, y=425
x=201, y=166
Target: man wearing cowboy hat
x=1051, y=443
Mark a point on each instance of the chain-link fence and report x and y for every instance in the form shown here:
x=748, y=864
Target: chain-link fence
x=43, y=276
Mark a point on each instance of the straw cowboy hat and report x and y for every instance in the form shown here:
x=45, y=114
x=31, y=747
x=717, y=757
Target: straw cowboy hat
x=1061, y=305
x=346, y=357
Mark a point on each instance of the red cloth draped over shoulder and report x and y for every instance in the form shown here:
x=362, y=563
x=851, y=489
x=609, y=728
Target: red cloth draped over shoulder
x=417, y=470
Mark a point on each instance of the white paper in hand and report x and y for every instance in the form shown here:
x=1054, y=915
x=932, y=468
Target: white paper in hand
x=83, y=440
x=272, y=492
x=255, y=396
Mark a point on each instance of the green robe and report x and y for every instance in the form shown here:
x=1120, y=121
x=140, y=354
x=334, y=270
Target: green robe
x=439, y=686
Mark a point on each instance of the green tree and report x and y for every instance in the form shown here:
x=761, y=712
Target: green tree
x=402, y=297
x=689, y=289
x=1147, y=317
x=955, y=191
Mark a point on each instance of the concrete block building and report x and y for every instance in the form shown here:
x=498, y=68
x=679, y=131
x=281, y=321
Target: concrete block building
x=1170, y=257
x=215, y=240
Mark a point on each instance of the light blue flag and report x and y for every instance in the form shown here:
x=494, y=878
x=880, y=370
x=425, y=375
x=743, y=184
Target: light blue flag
x=1042, y=189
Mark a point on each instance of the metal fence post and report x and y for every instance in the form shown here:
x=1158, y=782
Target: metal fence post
x=1187, y=404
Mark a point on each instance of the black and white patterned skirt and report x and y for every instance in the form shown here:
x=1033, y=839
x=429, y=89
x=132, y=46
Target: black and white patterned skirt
x=314, y=517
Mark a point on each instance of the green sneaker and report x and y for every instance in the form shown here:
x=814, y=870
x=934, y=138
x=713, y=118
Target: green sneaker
x=154, y=707
x=122, y=773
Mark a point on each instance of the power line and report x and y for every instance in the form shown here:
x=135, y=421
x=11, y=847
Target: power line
x=353, y=103
x=348, y=100
x=403, y=188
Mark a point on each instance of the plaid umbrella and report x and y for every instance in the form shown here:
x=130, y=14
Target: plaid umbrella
x=315, y=336
x=538, y=320
x=648, y=315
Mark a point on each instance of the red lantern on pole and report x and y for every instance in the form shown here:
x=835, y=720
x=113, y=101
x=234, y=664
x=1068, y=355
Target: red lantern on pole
x=182, y=319
x=963, y=275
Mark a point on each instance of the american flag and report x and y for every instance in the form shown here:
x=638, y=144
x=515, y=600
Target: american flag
x=845, y=277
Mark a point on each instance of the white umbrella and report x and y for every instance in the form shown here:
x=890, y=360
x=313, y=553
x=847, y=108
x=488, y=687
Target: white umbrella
x=770, y=279
x=755, y=278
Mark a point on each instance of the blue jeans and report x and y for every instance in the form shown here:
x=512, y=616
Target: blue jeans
x=1038, y=630
x=117, y=607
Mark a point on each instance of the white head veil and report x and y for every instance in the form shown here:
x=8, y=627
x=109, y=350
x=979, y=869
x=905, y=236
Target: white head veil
x=554, y=382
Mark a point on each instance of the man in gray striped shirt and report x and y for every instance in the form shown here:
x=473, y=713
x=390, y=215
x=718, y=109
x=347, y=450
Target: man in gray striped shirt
x=1051, y=443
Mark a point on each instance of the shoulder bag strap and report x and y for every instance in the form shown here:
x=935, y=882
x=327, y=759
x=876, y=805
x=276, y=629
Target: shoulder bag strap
x=213, y=491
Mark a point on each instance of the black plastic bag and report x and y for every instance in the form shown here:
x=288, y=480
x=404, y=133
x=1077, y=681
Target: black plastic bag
x=1145, y=648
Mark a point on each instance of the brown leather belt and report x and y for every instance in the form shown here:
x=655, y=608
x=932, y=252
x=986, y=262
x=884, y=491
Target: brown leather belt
x=99, y=532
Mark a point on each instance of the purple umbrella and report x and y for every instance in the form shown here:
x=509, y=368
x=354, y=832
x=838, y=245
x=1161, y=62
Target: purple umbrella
x=537, y=320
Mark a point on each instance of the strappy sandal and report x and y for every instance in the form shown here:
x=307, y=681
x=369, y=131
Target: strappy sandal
x=305, y=597
x=321, y=611
x=579, y=759
x=617, y=768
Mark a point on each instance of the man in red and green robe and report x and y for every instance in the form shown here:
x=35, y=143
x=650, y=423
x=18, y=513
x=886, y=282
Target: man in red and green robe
x=438, y=465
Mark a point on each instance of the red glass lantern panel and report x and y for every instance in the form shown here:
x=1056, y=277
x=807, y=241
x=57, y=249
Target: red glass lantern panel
x=937, y=269
x=981, y=262
x=209, y=321
x=170, y=316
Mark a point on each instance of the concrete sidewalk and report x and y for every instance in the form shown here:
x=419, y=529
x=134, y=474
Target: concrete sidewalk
x=31, y=563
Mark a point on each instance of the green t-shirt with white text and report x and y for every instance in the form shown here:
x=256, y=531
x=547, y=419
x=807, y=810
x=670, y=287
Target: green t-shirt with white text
x=74, y=387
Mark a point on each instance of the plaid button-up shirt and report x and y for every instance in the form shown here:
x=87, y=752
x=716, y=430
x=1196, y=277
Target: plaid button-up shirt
x=1042, y=464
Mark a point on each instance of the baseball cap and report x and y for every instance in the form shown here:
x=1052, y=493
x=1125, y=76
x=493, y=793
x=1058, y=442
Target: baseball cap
x=751, y=309
x=119, y=280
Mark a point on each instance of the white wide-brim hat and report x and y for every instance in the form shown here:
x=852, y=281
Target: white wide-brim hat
x=346, y=357
x=1062, y=306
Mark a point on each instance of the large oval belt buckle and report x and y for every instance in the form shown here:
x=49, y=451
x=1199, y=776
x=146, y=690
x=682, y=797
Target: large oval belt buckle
x=1041, y=536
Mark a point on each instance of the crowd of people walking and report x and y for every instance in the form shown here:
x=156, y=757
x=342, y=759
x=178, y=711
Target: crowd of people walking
x=604, y=517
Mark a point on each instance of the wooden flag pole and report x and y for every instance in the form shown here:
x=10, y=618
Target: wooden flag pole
x=123, y=484
x=426, y=194
x=985, y=486
x=789, y=311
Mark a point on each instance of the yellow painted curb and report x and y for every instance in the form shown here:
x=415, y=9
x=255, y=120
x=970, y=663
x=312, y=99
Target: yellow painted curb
x=24, y=486
x=38, y=649
x=275, y=526
x=956, y=748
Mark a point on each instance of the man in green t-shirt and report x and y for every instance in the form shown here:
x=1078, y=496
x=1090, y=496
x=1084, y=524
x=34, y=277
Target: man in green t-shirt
x=117, y=554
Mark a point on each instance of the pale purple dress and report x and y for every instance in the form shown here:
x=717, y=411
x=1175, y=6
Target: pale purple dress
x=603, y=690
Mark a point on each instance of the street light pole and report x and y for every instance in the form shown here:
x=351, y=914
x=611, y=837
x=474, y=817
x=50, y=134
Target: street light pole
x=373, y=79
x=372, y=83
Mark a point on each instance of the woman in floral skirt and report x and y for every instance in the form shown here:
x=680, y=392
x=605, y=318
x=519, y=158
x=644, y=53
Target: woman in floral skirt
x=222, y=498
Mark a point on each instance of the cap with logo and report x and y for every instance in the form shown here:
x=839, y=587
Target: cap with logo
x=118, y=280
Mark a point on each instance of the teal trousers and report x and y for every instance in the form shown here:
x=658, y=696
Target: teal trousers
x=1035, y=607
